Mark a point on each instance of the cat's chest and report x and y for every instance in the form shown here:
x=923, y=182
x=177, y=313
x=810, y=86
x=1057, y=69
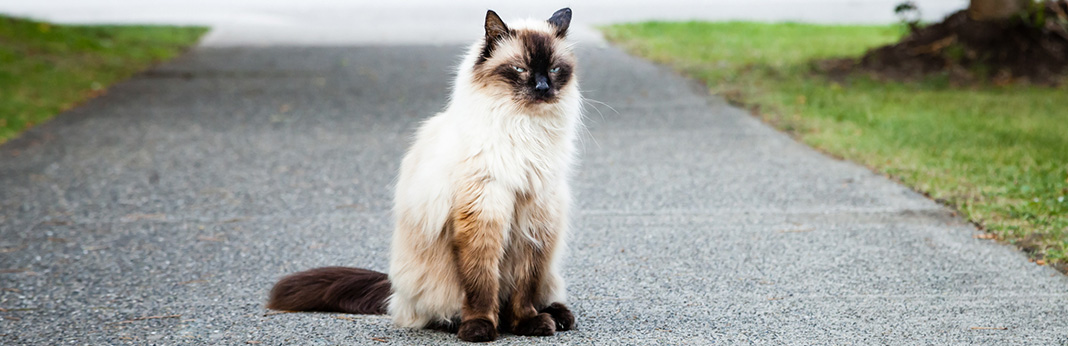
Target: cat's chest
x=525, y=164
x=527, y=157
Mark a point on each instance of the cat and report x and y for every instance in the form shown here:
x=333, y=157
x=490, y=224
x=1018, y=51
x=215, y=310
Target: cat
x=481, y=204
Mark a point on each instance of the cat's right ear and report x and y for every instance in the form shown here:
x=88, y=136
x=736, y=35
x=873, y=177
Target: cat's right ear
x=561, y=20
x=495, y=28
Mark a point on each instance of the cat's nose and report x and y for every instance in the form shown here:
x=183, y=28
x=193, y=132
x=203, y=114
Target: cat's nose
x=542, y=84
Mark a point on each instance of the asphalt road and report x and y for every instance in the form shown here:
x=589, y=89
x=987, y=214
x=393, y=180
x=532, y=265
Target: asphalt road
x=162, y=212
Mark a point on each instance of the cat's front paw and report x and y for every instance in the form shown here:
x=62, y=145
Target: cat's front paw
x=539, y=325
x=449, y=326
x=562, y=315
x=477, y=330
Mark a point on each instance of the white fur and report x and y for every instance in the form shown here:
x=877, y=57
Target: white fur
x=524, y=151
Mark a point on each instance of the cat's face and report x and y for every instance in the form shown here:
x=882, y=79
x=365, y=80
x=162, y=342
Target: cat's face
x=531, y=63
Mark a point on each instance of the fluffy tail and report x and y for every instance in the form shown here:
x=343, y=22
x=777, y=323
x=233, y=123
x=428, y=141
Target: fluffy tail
x=332, y=289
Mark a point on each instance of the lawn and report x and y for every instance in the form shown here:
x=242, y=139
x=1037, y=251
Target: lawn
x=998, y=154
x=46, y=69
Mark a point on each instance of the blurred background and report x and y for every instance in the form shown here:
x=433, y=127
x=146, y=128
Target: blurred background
x=333, y=22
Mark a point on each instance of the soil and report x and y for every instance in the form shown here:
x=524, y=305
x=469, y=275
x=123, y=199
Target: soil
x=1027, y=49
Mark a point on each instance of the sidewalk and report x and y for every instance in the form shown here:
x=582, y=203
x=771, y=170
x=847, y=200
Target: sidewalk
x=162, y=212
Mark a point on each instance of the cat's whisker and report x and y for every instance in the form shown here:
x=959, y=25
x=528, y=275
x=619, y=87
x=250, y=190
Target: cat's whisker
x=588, y=134
x=598, y=109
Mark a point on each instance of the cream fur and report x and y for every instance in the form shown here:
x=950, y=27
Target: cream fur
x=482, y=134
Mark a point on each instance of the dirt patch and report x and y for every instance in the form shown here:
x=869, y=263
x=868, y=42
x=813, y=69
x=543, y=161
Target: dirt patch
x=1031, y=48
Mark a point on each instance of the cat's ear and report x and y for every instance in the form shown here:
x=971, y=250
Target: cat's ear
x=495, y=27
x=561, y=20
x=495, y=31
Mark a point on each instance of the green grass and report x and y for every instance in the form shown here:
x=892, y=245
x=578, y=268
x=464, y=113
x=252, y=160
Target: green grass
x=998, y=154
x=46, y=68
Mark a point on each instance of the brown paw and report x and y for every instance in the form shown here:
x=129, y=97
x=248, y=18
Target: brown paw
x=562, y=315
x=539, y=325
x=451, y=326
x=479, y=330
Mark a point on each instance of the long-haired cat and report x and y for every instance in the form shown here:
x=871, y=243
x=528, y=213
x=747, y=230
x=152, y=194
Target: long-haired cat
x=481, y=204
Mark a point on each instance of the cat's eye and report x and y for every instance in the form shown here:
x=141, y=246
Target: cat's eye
x=554, y=70
x=519, y=69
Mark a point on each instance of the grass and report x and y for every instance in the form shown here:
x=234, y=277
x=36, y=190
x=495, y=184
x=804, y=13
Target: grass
x=997, y=154
x=46, y=69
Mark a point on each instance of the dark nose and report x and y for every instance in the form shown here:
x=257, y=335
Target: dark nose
x=542, y=83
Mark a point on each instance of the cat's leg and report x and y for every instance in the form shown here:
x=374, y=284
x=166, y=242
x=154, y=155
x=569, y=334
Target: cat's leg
x=526, y=263
x=550, y=297
x=551, y=292
x=480, y=219
x=540, y=228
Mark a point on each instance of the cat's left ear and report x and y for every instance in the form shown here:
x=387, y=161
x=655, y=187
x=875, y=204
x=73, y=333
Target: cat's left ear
x=561, y=20
x=495, y=28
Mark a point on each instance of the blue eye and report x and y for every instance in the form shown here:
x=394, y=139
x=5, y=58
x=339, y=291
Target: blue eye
x=519, y=69
x=554, y=70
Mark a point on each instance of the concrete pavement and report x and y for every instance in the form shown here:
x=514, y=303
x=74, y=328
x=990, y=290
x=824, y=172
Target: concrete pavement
x=161, y=213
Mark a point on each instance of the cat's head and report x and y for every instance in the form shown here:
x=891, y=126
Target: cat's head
x=528, y=61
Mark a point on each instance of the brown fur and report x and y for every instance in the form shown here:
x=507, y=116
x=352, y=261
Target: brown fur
x=490, y=271
x=477, y=330
x=333, y=289
x=478, y=245
x=525, y=264
x=562, y=315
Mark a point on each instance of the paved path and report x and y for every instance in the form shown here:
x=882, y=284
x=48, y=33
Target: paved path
x=185, y=192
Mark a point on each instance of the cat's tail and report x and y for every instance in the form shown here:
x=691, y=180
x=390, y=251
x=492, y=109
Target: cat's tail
x=332, y=289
